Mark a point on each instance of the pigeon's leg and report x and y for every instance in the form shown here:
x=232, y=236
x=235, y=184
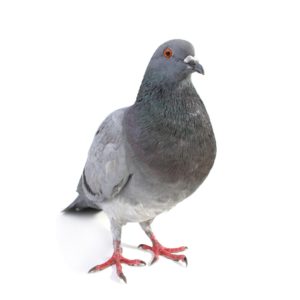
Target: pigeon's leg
x=117, y=258
x=158, y=249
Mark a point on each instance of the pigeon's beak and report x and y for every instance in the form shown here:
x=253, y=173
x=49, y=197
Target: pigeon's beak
x=193, y=64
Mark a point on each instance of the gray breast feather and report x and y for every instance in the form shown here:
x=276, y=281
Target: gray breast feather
x=105, y=172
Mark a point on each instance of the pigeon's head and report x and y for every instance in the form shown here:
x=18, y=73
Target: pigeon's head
x=172, y=62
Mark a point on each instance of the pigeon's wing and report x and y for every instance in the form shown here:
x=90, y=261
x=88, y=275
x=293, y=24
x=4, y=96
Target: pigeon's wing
x=105, y=173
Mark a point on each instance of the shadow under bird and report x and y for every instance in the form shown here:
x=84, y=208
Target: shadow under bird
x=148, y=157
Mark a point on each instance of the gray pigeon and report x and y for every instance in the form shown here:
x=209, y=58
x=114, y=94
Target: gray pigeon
x=148, y=157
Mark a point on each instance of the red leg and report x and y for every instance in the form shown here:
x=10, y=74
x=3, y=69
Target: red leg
x=117, y=259
x=158, y=250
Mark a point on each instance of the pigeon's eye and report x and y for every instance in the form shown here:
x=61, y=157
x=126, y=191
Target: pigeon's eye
x=168, y=53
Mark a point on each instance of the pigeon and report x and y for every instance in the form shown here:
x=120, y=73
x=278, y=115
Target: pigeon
x=148, y=157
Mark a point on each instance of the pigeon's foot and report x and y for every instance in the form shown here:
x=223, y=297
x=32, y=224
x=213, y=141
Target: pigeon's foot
x=117, y=259
x=158, y=250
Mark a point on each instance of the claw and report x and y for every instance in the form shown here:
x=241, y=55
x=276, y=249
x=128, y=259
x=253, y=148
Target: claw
x=142, y=263
x=185, y=261
x=93, y=270
x=155, y=259
x=144, y=247
x=122, y=276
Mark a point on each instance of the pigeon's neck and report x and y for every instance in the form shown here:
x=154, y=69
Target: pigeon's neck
x=154, y=89
x=173, y=103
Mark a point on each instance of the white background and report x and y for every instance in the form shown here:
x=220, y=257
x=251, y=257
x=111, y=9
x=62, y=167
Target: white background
x=64, y=65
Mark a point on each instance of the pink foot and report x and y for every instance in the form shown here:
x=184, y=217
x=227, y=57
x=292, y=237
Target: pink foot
x=158, y=250
x=117, y=259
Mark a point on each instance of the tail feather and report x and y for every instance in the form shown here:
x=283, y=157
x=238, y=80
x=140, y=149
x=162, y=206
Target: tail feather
x=80, y=204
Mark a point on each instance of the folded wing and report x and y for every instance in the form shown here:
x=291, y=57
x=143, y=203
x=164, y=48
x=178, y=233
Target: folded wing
x=105, y=173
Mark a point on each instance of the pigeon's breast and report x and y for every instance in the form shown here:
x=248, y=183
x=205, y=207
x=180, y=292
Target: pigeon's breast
x=173, y=149
x=186, y=158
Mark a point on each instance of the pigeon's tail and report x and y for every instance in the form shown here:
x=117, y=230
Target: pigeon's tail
x=80, y=204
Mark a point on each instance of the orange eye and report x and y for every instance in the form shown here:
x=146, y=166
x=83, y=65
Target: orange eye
x=168, y=53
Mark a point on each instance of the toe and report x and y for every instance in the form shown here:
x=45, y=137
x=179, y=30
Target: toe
x=174, y=250
x=133, y=262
